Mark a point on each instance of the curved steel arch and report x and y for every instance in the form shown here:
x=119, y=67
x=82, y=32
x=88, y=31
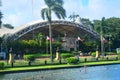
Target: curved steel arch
x=34, y=26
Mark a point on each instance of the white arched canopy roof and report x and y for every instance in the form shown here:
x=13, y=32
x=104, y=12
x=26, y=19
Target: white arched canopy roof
x=59, y=27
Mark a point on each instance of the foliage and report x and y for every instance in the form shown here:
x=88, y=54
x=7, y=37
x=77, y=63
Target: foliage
x=1, y=65
x=111, y=26
x=86, y=22
x=66, y=55
x=110, y=53
x=75, y=53
x=29, y=57
x=119, y=55
x=55, y=6
x=72, y=60
x=38, y=55
x=57, y=44
x=39, y=39
x=31, y=46
x=93, y=54
x=73, y=16
x=88, y=46
x=8, y=26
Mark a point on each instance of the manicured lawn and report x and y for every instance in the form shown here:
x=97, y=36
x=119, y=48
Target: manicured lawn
x=59, y=66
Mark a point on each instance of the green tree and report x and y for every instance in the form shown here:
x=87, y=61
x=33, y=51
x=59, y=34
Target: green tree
x=111, y=26
x=73, y=16
x=39, y=38
x=86, y=22
x=97, y=25
x=55, y=6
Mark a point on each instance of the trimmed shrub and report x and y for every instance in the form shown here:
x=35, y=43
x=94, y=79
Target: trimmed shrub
x=1, y=65
x=72, y=60
x=66, y=55
x=75, y=53
x=119, y=55
x=93, y=54
x=110, y=53
x=29, y=57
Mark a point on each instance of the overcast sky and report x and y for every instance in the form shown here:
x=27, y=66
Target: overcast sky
x=20, y=12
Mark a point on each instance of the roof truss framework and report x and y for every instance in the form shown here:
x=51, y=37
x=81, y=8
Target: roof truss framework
x=59, y=27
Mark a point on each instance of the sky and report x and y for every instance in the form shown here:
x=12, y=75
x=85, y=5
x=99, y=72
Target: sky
x=20, y=12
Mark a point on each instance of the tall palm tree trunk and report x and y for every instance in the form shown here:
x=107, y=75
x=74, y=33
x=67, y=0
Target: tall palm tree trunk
x=50, y=34
x=102, y=45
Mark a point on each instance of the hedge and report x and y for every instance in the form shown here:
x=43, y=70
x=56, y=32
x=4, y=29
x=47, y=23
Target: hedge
x=119, y=55
x=72, y=60
x=66, y=55
x=2, y=65
x=93, y=54
x=29, y=57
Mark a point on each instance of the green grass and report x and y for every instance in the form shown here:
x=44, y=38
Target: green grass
x=39, y=55
x=59, y=66
x=40, y=63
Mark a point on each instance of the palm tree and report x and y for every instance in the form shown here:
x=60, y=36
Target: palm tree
x=55, y=6
x=101, y=32
x=73, y=16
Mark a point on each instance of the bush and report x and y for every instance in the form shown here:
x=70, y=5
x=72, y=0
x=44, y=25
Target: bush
x=93, y=54
x=110, y=53
x=72, y=60
x=75, y=53
x=29, y=57
x=66, y=55
x=1, y=65
x=119, y=55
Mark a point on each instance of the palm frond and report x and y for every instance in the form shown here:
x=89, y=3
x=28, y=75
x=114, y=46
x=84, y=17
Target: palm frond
x=1, y=15
x=49, y=3
x=59, y=11
x=46, y=14
x=70, y=17
x=9, y=26
x=58, y=2
x=43, y=13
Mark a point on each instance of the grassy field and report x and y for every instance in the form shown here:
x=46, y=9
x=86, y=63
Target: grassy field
x=43, y=67
x=39, y=63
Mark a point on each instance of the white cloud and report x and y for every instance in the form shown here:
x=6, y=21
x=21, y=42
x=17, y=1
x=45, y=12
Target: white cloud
x=13, y=19
x=98, y=8
x=19, y=12
x=73, y=6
